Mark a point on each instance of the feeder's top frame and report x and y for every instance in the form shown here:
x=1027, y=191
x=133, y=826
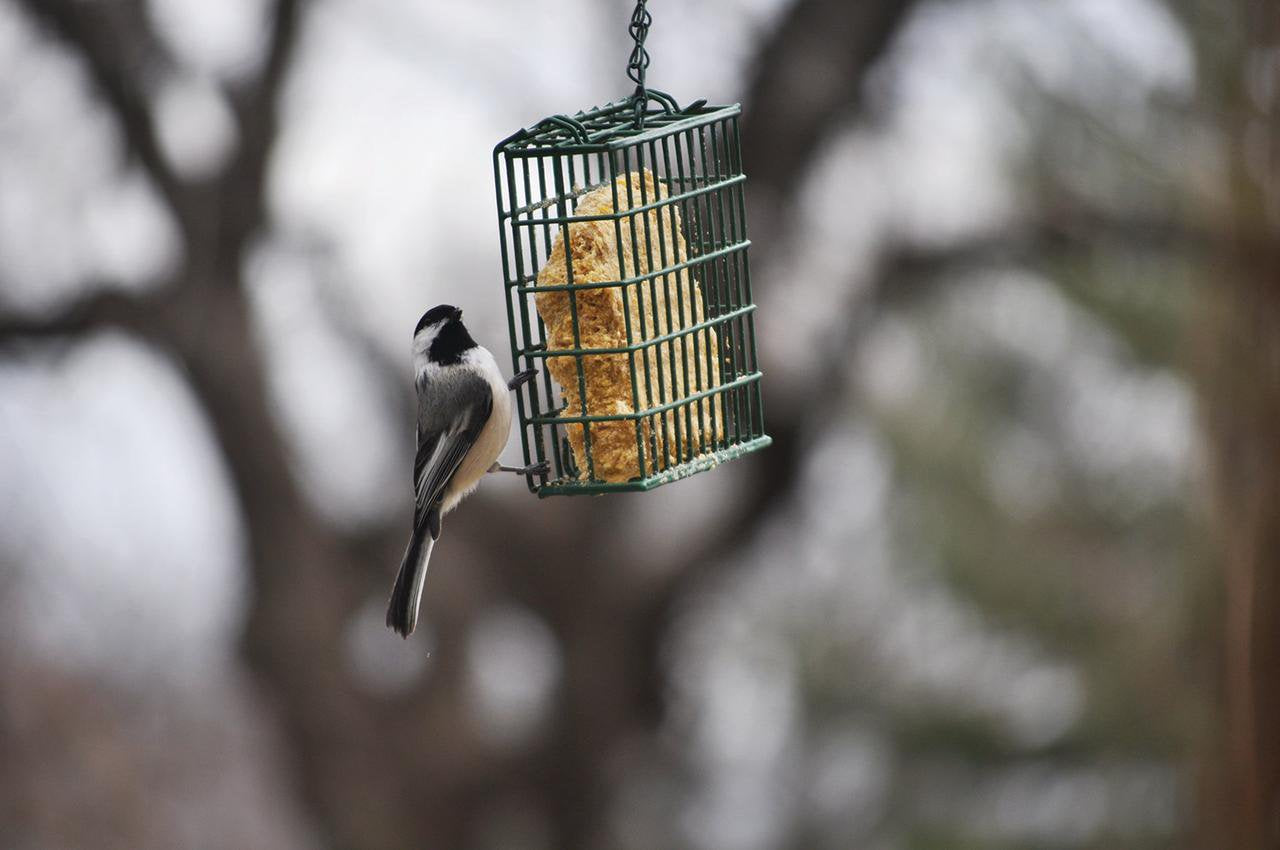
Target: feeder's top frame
x=604, y=128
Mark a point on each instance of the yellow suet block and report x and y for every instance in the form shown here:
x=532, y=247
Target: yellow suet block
x=666, y=372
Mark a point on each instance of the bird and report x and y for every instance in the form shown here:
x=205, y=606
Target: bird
x=464, y=418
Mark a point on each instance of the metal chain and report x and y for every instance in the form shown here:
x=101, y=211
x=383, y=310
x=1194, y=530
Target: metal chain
x=639, y=62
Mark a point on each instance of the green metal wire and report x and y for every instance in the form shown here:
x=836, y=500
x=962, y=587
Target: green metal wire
x=694, y=155
x=701, y=463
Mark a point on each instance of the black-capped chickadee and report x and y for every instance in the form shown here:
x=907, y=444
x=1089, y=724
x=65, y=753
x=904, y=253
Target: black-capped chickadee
x=464, y=417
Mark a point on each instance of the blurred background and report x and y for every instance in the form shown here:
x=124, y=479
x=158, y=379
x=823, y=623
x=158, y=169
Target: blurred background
x=1009, y=576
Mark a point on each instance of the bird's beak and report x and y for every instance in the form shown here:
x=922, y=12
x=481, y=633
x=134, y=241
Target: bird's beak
x=457, y=315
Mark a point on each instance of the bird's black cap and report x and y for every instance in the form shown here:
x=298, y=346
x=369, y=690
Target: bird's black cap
x=438, y=314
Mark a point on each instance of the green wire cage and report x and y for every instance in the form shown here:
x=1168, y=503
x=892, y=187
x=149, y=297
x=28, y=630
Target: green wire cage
x=624, y=254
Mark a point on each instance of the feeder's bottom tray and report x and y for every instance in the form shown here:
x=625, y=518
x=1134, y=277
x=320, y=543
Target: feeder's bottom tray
x=573, y=487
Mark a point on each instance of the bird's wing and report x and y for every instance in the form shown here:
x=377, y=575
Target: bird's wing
x=443, y=443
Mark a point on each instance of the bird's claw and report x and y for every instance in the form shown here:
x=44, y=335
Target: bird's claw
x=521, y=378
x=532, y=469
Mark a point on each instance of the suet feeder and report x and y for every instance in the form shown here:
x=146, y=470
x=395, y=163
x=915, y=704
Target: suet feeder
x=624, y=253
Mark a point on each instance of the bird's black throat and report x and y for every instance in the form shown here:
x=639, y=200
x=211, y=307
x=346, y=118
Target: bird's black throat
x=451, y=342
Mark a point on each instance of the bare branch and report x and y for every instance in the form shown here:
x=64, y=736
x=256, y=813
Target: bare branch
x=392, y=376
x=810, y=74
x=101, y=307
x=257, y=110
x=903, y=273
x=809, y=78
x=118, y=63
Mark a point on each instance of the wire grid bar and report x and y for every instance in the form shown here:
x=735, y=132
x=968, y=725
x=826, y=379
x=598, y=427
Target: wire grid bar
x=694, y=379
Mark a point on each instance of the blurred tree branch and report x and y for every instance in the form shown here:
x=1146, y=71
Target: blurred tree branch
x=909, y=272
x=103, y=306
x=122, y=57
x=256, y=107
x=808, y=80
x=128, y=64
x=809, y=75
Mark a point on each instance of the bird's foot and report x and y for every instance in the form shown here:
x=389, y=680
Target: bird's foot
x=522, y=378
x=532, y=469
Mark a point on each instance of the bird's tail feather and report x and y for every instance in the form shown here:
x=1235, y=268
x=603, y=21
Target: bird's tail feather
x=406, y=595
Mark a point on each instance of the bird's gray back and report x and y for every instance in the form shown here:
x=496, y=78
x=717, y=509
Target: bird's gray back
x=443, y=395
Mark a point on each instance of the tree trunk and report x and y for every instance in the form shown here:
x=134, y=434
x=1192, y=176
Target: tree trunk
x=1241, y=397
